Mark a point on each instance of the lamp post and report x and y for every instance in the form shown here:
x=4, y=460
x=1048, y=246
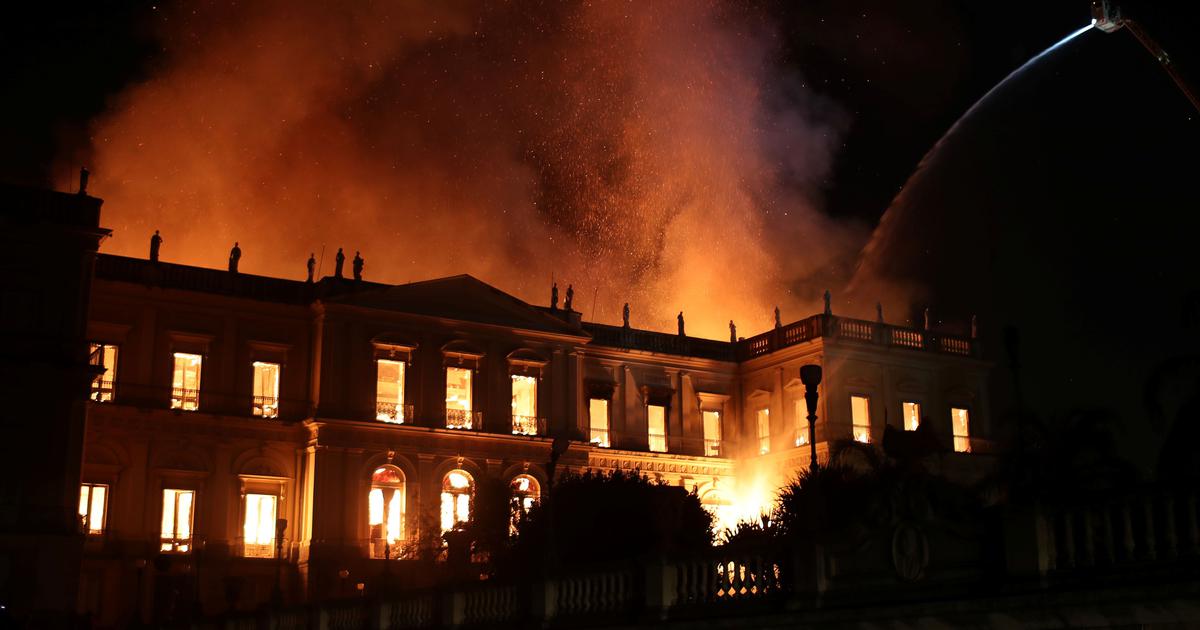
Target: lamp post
x=280, y=528
x=810, y=375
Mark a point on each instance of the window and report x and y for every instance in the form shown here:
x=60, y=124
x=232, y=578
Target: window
x=104, y=355
x=389, y=391
x=712, y=433
x=525, y=495
x=860, y=418
x=185, y=383
x=598, y=421
x=458, y=398
x=656, y=417
x=258, y=526
x=763, y=421
x=177, y=520
x=961, y=420
x=457, y=491
x=912, y=415
x=266, y=389
x=524, y=405
x=385, y=511
x=800, y=422
x=93, y=507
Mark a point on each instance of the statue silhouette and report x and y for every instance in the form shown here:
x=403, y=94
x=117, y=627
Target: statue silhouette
x=625, y=315
x=235, y=255
x=778, y=321
x=312, y=265
x=570, y=298
x=680, y=319
x=554, y=297
x=339, y=261
x=358, y=266
x=879, y=312
x=733, y=329
x=828, y=307
x=155, y=245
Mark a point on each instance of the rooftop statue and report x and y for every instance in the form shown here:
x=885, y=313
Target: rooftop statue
x=339, y=261
x=680, y=319
x=625, y=315
x=733, y=330
x=570, y=298
x=358, y=266
x=312, y=265
x=828, y=308
x=155, y=245
x=235, y=255
x=554, y=297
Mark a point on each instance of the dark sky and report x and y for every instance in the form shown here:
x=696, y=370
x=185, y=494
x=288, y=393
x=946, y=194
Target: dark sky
x=901, y=71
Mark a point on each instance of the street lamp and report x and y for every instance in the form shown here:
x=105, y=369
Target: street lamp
x=810, y=375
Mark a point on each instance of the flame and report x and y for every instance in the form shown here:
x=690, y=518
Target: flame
x=654, y=154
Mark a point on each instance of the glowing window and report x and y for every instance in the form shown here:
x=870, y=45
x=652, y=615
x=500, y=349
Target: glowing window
x=911, y=412
x=800, y=422
x=104, y=387
x=458, y=398
x=258, y=526
x=185, y=382
x=860, y=418
x=385, y=511
x=524, y=405
x=961, y=419
x=656, y=417
x=389, y=391
x=712, y=433
x=763, y=422
x=598, y=421
x=266, y=389
x=458, y=489
x=93, y=507
x=525, y=495
x=177, y=520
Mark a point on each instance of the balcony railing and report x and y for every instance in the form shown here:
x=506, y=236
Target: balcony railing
x=600, y=437
x=528, y=425
x=657, y=442
x=464, y=419
x=876, y=333
x=393, y=412
x=266, y=406
x=712, y=447
x=186, y=399
x=102, y=391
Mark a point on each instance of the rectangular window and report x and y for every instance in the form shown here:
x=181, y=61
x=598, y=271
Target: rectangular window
x=524, y=405
x=266, y=389
x=712, y=433
x=389, y=391
x=177, y=520
x=104, y=387
x=912, y=415
x=800, y=422
x=185, y=382
x=763, y=421
x=458, y=398
x=598, y=421
x=93, y=507
x=860, y=418
x=258, y=526
x=656, y=419
x=961, y=419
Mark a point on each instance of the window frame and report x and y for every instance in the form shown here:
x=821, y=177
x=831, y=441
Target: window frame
x=179, y=402
x=713, y=447
x=387, y=548
x=763, y=441
x=455, y=493
x=173, y=544
x=97, y=390
x=954, y=435
x=257, y=408
x=86, y=518
x=865, y=437
x=650, y=435
x=904, y=417
x=607, y=441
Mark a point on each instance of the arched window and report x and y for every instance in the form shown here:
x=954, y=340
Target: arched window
x=525, y=494
x=385, y=511
x=458, y=490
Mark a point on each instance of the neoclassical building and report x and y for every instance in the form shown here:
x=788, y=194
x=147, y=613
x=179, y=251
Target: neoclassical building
x=248, y=434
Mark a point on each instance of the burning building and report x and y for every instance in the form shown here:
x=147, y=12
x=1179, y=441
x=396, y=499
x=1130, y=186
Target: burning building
x=253, y=437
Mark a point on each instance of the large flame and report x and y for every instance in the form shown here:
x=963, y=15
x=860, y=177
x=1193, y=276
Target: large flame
x=651, y=153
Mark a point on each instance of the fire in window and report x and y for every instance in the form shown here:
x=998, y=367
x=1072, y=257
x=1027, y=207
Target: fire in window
x=598, y=422
x=385, y=511
x=258, y=526
x=177, y=520
x=266, y=389
x=525, y=494
x=763, y=422
x=524, y=405
x=104, y=355
x=961, y=420
x=860, y=418
x=712, y=433
x=93, y=507
x=457, y=490
x=912, y=415
x=800, y=422
x=458, y=399
x=656, y=418
x=389, y=391
x=185, y=382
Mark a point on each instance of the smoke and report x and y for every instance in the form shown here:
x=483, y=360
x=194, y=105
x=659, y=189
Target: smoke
x=651, y=153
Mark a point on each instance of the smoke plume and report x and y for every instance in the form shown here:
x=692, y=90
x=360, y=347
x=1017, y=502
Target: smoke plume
x=652, y=153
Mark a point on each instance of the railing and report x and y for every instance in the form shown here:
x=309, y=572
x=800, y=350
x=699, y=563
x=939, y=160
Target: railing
x=593, y=593
x=490, y=605
x=907, y=338
x=728, y=578
x=657, y=442
x=394, y=412
x=528, y=425
x=464, y=419
x=600, y=437
x=265, y=406
x=103, y=391
x=712, y=448
x=857, y=330
x=185, y=399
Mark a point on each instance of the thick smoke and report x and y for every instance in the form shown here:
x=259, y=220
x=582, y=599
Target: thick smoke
x=651, y=153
